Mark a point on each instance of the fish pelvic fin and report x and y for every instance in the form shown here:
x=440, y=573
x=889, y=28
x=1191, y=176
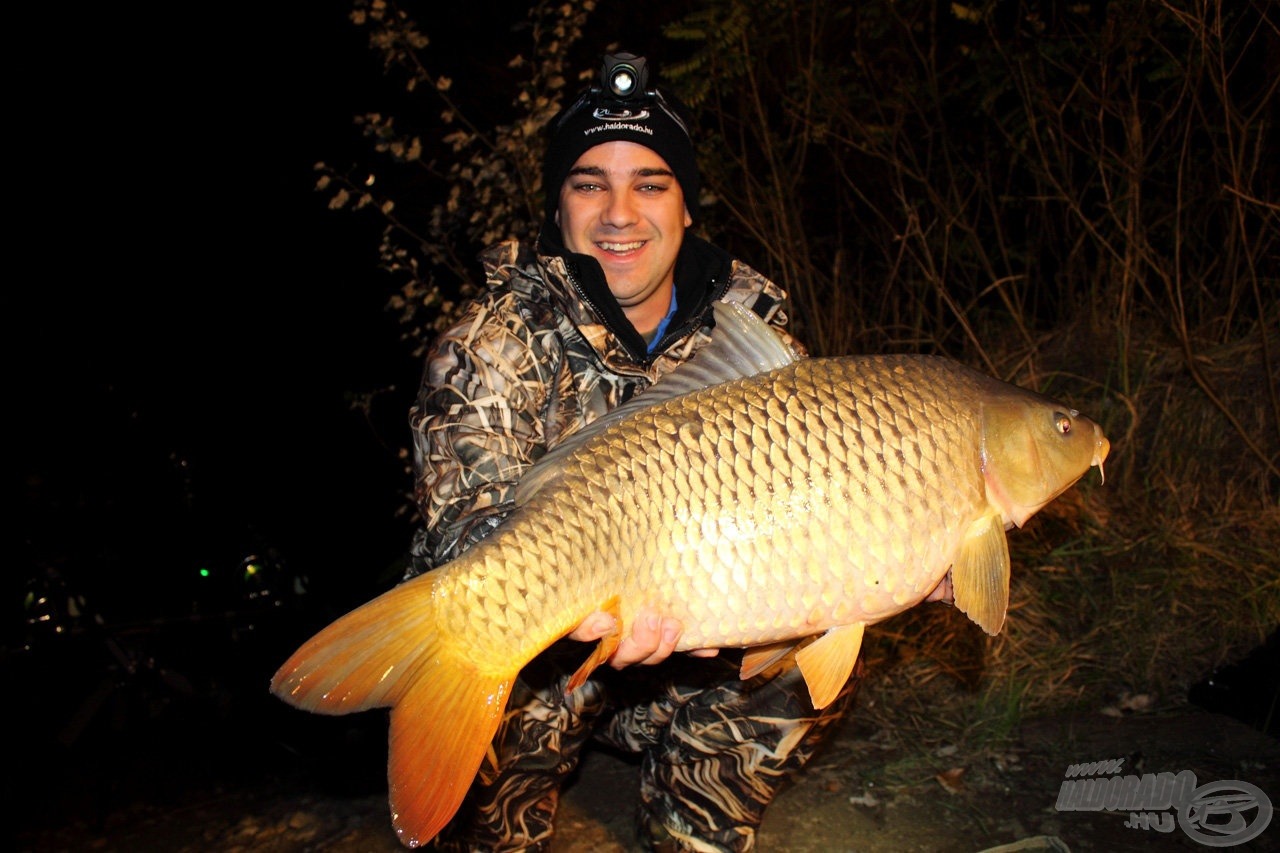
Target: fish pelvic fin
x=757, y=659
x=603, y=650
x=827, y=662
x=980, y=573
x=445, y=707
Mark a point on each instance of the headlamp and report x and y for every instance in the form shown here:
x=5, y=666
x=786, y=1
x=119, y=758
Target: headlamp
x=619, y=106
x=624, y=76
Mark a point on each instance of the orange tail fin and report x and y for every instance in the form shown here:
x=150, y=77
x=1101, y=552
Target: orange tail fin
x=445, y=709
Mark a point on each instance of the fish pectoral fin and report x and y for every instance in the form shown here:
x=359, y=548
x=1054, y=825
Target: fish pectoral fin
x=757, y=659
x=827, y=662
x=604, y=649
x=980, y=574
x=431, y=764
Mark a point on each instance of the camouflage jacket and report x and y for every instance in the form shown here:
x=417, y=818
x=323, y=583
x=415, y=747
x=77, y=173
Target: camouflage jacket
x=530, y=362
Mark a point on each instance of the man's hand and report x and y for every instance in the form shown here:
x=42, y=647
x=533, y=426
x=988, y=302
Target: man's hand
x=942, y=592
x=653, y=638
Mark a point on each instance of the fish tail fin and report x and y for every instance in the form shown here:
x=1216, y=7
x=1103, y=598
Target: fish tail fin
x=445, y=706
x=426, y=786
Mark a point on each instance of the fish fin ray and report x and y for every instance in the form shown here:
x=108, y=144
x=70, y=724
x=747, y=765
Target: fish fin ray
x=980, y=574
x=757, y=659
x=827, y=662
x=741, y=346
x=431, y=765
x=365, y=659
x=603, y=650
x=388, y=652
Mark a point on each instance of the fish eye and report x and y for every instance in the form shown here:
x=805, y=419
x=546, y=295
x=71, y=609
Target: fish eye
x=1062, y=423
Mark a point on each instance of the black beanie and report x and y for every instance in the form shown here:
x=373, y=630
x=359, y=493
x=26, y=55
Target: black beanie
x=649, y=118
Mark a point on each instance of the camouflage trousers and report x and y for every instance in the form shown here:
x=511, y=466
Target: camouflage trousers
x=715, y=751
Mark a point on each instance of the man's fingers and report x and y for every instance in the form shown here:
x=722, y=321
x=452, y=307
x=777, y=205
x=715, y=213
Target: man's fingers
x=645, y=640
x=942, y=592
x=652, y=638
x=595, y=626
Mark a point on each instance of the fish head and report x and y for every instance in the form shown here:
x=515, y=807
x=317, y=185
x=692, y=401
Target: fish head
x=1034, y=449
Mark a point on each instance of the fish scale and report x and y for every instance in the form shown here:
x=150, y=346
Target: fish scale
x=781, y=510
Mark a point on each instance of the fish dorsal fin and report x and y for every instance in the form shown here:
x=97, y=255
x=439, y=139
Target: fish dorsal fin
x=742, y=345
x=980, y=574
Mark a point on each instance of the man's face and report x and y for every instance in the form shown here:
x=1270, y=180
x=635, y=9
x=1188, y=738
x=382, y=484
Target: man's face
x=622, y=205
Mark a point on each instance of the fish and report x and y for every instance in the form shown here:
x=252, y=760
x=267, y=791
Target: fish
x=773, y=503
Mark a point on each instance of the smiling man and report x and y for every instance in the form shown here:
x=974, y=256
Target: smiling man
x=617, y=293
x=624, y=207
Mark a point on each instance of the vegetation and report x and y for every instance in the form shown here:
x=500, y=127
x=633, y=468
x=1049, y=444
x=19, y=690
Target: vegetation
x=1080, y=197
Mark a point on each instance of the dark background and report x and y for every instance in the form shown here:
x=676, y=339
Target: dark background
x=205, y=362
x=190, y=326
x=198, y=328
x=207, y=380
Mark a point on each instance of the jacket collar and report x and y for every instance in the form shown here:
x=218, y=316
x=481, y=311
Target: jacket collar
x=701, y=276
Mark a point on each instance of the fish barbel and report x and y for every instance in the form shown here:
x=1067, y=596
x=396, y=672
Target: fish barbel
x=761, y=499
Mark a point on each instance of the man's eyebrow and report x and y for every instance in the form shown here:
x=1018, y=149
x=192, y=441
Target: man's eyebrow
x=597, y=172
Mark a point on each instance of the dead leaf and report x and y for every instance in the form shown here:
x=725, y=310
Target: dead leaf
x=951, y=780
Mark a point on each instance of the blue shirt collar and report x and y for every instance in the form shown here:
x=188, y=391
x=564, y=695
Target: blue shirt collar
x=662, y=327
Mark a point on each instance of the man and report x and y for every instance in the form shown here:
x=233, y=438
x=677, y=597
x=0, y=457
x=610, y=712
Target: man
x=616, y=294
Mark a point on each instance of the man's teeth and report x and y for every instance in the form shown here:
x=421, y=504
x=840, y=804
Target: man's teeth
x=621, y=247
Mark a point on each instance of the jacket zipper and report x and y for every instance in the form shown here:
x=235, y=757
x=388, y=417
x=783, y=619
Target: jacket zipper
x=717, y=290
x=570, y=270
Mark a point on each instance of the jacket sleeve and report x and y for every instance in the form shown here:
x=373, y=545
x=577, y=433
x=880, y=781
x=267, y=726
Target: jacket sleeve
x=477, y=426
x=765, y=298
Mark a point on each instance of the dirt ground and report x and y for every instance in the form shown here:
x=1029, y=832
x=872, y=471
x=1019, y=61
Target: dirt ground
x=861, y=793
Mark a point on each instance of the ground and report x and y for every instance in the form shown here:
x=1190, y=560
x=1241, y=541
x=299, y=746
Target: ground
x=864, y=792
x=164, y=737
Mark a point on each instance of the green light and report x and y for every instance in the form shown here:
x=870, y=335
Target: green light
x=204, y=573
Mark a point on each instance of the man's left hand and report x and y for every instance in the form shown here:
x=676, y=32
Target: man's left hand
x=653, y=638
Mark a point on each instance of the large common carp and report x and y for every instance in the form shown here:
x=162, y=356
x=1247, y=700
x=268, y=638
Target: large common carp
x=761, y=499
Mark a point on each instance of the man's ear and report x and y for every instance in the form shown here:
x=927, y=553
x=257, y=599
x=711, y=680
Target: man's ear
x=688, y=220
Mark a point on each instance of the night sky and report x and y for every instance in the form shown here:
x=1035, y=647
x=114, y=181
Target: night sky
x=193, y=322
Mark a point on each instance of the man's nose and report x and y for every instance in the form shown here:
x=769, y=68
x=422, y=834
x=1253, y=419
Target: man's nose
x=621, y=210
